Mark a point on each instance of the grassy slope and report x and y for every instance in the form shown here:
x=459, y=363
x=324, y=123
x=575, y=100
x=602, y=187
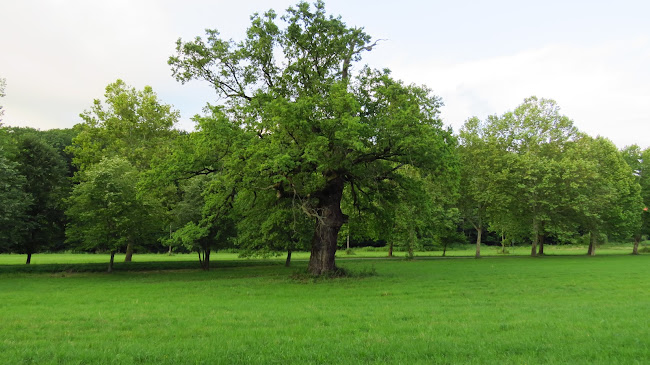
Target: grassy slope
x=494, y=310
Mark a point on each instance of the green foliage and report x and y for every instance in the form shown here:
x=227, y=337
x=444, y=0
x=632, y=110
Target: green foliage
x=14, y=202
x=58, y=139
x=308, y=126
x=46, y=184
x=530, y=174
x=105, y=210
x=639, y=162
x=276, y=228
x=130, y=123
x=190, y=236
x=201, y=226
x=607, y=196
x=530, y=185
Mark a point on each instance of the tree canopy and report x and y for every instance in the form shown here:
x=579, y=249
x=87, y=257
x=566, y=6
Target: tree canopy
x=312, y=123
x=105, y=210
x=130, y=123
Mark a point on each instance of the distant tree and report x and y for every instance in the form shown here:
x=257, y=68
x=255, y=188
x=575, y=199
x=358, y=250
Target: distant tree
x=534, y=137
x=46, y=184
x=639, y=162
x=198, y=183
x=105, y=211
x=14, y=202
x=202, y=227
x=511, y=172
x=477, y=157
x=313, y=124
x=413, y=215
x=424, y=214
x=606, y=196
x=130, y=124
x=59, y=139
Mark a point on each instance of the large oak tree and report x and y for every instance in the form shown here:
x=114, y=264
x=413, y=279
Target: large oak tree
x=314, y=123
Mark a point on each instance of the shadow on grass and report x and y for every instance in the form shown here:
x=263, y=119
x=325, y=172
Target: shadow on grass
x=128, y=266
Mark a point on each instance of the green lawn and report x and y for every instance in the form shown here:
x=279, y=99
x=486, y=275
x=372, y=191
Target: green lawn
x=497, y=310
x=456, y=251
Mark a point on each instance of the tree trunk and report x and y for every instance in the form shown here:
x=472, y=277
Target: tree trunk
x=204, y=258
x=390, y=249
x=287, y=263
x=206, y=261
x=29, y=258
x=444, y=249
x=503, y=242
x=110, y=263
x=169, y=253
x=635, y=249
x=533, y=248
x=129, y=252
x=592, y=244
x=411, y=243
x=328, y=223
x=479, y=233
x=541, y=245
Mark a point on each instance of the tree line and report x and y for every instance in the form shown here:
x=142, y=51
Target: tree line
x=303, y=150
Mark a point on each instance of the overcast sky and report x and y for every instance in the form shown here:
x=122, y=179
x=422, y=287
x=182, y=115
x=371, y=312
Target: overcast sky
x=481, y=57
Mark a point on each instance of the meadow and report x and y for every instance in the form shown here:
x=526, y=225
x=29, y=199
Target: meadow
x=499, y=309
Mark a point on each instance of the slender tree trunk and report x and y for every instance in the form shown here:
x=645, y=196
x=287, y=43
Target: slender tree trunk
x=170, y=237
x=348, y=242
x=129, y=252
x=110, y=263
x=29, y=249
x=635, y=249
x=411, y=242
x=479, y=234
x=328, y=223
x=444, y=249
x=206, y=259
x=533, y=248
x=592, y=244
x=287, y=263
x=390, y=249
x=541, y=244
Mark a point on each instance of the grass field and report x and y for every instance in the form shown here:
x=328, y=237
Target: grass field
x=497, y=310
x=456, y=251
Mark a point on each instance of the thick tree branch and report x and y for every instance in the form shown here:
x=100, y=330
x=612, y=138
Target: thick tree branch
x=346, y=62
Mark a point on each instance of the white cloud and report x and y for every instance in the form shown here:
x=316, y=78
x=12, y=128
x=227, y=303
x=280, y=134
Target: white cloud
x=59, y=55
x=604, y=88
